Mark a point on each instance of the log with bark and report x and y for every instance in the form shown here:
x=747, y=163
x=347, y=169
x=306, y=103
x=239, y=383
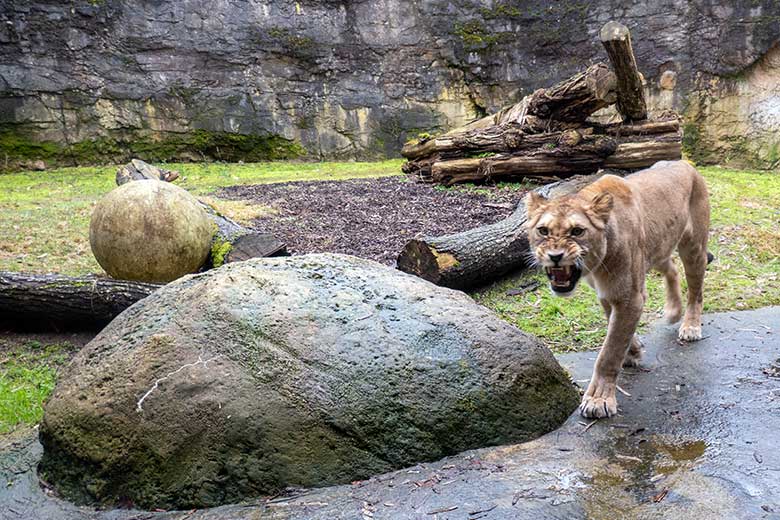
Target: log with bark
x=55, y=302
x=232, y=241
x=549, y=134
x=630, y=92
x=480, y=255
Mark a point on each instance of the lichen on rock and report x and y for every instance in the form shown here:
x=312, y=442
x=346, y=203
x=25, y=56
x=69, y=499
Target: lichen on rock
x=298, y=371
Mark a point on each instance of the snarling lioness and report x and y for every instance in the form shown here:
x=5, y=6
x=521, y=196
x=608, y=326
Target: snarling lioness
x=611, y=233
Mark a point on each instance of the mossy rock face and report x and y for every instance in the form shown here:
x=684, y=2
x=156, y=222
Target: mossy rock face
x=300, y=371
x=150, y=231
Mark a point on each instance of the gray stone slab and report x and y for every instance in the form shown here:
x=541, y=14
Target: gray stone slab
x=698, y=437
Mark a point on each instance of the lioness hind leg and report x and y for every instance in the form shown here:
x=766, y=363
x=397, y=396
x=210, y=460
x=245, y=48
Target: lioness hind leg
x=673, y=306
x=695, y=263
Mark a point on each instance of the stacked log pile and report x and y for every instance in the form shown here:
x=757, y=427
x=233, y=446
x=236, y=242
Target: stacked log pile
x=548, y=134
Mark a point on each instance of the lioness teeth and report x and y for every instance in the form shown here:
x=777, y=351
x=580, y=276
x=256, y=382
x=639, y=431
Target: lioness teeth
x=560, y=276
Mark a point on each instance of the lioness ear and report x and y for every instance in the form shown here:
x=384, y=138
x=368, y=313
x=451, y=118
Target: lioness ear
x=533, y=203
x=601, y=206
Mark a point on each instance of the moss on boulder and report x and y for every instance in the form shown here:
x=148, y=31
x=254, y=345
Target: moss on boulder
x=301, y=371
x=150, y=231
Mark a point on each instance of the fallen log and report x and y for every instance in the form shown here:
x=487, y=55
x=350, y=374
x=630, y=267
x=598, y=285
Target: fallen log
x=232, y=241
x=560, y=160
x=480, y=255
x=55, y=302
x=630, y=92
x=563, y=154
x=633, y=156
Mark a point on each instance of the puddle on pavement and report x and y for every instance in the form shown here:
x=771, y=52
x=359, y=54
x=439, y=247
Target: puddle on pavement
x=635, y=471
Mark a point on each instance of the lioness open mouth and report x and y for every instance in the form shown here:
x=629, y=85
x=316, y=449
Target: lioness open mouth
x=563, y=279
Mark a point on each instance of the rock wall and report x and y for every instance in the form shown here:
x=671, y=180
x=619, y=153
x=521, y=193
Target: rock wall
x=99, y=80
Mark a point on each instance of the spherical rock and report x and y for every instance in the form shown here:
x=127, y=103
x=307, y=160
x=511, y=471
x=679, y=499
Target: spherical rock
x=150, y=231
x=300, y=371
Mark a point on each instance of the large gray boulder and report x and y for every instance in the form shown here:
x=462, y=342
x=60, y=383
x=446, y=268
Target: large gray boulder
x=301, y=371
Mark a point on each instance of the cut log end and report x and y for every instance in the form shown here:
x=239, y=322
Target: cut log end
x=613, y=31
x=255, y=245
x=421, y=259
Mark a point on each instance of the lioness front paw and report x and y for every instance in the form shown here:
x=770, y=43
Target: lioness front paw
x=599, y=400
x=598, y=407
x=689, y=332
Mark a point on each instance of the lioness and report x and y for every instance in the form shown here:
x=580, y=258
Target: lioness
x=612, y=233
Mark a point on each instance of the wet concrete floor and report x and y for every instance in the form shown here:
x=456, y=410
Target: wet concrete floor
x=697, y=437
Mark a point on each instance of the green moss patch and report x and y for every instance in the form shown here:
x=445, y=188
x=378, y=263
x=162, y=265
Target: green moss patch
x=18, y=148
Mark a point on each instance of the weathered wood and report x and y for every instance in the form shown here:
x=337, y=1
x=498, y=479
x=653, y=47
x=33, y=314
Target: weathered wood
x=572, y=100
x=55, y=302
x=631, y=103
x=561, y=160
x=632, y=156
x=232, y=241
x=548, y=133
x=670, y=126
x=563, y=106
x=480, y=255
x=504, y=153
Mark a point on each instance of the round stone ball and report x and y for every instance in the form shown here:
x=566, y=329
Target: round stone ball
x=150, y=231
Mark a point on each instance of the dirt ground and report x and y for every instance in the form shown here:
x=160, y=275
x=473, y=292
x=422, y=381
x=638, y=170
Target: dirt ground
x=371, y=218
x=14, y=340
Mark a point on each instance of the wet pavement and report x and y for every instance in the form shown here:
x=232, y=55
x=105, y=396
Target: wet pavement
x=697, y=437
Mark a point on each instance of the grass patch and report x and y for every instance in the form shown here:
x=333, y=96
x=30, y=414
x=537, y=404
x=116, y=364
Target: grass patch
x=744, y=237
x=27, y=376
x=46, y=220
x=45, y=224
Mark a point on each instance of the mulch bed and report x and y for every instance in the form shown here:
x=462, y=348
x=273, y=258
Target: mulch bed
x=371, y=218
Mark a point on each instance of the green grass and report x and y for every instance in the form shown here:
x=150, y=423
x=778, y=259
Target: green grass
x=45, y=228
x=27, y=376
x=744, y=237
x=46, y=214
x=46, y=218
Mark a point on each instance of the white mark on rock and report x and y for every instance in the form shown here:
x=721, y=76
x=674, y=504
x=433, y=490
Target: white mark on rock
x=200, y=361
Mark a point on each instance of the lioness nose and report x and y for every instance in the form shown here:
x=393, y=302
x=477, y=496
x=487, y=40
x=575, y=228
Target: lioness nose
x=555, y=258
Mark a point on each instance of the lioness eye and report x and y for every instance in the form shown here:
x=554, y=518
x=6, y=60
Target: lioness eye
x=543, y=231
x=577, y=231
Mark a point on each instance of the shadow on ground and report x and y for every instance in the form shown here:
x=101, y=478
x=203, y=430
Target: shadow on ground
x=696, y=438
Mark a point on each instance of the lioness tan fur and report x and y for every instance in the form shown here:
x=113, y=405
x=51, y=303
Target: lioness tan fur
x=612, y=233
